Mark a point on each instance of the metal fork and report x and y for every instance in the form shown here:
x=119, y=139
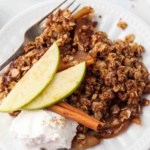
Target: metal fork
x=33, y=32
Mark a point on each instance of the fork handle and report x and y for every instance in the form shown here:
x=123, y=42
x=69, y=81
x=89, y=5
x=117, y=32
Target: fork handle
x=12, y=57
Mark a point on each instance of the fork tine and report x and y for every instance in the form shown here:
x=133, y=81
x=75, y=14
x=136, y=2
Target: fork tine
x=75, y=8
x=52, y=11
x=58, y=6
x=56, y=9
x=70, y=4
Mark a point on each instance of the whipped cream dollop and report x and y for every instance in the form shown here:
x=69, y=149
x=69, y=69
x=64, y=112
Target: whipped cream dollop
x=43, y=129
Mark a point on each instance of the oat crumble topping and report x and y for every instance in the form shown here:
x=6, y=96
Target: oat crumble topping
x=122, y=24
x=116, y=77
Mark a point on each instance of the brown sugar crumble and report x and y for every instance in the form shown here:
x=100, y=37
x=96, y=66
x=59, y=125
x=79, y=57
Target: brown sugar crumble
x=130, y=38
x=122, y=24
x=115, y=80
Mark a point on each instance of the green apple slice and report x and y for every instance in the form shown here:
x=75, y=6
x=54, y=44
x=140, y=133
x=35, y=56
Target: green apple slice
x=33, y=82
x=63, y=85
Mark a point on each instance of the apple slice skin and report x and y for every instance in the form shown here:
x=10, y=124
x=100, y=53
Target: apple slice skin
x=18, y=97
x=51, y=96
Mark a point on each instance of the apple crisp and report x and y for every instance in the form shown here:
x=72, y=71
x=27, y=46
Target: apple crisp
x=115, y=80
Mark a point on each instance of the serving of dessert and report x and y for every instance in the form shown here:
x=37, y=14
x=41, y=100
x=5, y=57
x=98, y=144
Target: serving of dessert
x=73, y=86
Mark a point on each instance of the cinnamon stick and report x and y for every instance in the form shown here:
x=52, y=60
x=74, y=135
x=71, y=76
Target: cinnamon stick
x=82, y=12
x=75, y=110
x=82, y=119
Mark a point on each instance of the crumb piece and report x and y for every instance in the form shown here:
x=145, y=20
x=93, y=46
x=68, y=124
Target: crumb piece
x=145, y=102
x=14, y=73
x=122, y=24
x=15, y=113
x=136, y=120
x=100, y=16
x=130, y=38
x=3, y=94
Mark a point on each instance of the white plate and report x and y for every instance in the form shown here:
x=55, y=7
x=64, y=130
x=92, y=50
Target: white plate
x=136, y=137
